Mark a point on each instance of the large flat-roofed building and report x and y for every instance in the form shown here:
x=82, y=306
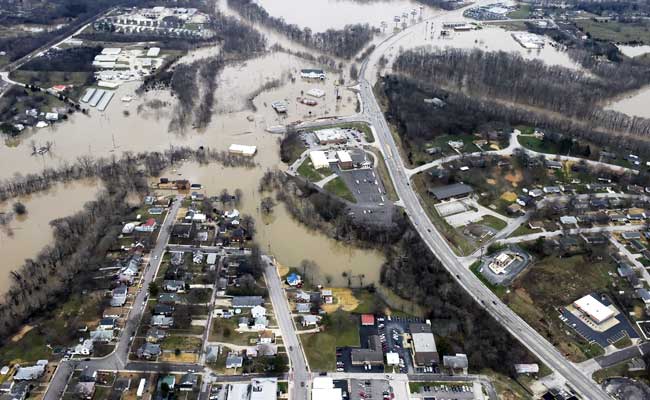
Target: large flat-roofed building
x=372, y=355
x=456, y=190
x=323, y=389
x=500, y=263
x=243, y=150
x=594, y=309
x=345, y=161
x=319, y=159
x=423, y=345
x=312, y=73
x=330, y=136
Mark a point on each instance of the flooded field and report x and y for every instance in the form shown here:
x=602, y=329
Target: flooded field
x=320, y=15
x=634, y=51
x=634, y=104
x=31, y=232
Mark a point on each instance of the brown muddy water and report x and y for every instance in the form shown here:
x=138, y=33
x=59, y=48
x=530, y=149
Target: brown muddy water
x=31, y=232
x=113, y=133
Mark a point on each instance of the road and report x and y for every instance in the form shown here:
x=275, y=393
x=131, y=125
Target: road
x=537, y=344
x=118, y=359
x=299, y=375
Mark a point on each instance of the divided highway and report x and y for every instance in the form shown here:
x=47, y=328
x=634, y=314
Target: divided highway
x=537, y=344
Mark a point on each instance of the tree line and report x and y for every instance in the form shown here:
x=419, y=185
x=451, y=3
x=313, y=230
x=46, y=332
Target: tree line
x=343, y=43
x=149, y=164
x=410, y=270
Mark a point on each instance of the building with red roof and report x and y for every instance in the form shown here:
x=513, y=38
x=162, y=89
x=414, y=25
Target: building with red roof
x=367, y=319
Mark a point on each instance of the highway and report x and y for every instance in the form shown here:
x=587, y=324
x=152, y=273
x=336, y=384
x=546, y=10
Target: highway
x=118, y=359
x=537, y=344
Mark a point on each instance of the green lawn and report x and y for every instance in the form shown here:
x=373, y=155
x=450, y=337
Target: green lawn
x=320, y=348
x=338, y=188
x=623, y=343
x=183, y=343
x=538, y=145
x=443, y=143
x=522, y=12
x=614, y=31
x=493, y=222
x=223, y=330
x=307, y=171
x=498, y=290
x=524, y=229
x=30, y=348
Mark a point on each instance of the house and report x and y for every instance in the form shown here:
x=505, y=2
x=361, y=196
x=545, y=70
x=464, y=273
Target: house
x=247, y=301
x=618, y=218
x=243, y=323
x=552, y=189
x=598, y=204
x=118, y=297
x=107, y=324
x=149, y=226
x=174, y=286
x=31, y=373
x=212, y=353
x=163, y=309
x=636, y=217
x=188, y=382
x=523, y=200
x=303, y=308
x=514, y=209
x=310, y=320
x=88, y=374
x=535, y=193
x=527, y=368
x=260, y=324
x=162, y=321
x=155, y=335
x=169, y=380
x=266, y=336
x=234, y=360
x=149, y=351
x=197, y=257
x=85, y=390
x=266, y=349
x=644, y=295
x=258, y=311
x=85, y=348
x=294, y=279
x=101, y=336
x=568, y=220
x=177, y=258
x=183, y=231
x=302, y=297
x=112, y=312
x=169, y=298
x=326, y=296
x=551, y=164
x=631, y=235
x=212, y=259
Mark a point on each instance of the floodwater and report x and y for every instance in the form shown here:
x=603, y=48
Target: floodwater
x=634, y=104
x=112, y=133
x=634, y=51
x=31, y=232
x=279, y=234
x=321, y=15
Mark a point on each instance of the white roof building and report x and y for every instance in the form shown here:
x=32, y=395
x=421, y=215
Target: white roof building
x=315, y=92
x=596, y=310
x=153, y=52
x=392, y=358
x=111, y=51
x=319, y=159
x=323, y=389
x=343, y=156
x=248, y=151
x=331, y=135
x=264, y=388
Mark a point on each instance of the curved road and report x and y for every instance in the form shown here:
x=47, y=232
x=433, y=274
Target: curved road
x=537, y=344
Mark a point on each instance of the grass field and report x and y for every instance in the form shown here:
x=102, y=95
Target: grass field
x=493, y=222
x=538, y=145
x=183, y=343
x=307, y=171
x=320, y=348
x=552, y=283
x=223, y=330
x=522, y=12
x=361, y=127
x=618, y=32
x=338, y=188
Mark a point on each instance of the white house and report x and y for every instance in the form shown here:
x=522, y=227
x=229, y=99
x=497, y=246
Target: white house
x=85, y=348
x=258, y=311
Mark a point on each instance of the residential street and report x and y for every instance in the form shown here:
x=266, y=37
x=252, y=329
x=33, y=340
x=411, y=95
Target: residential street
x=119, y=358
x=299, y=374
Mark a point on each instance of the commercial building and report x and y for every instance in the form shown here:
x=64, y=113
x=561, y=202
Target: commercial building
x=423, y=345
x=372, y=355
x=345, y=161
x=243, y=150
x=594, y=309
x=264, y=388
x=456, y=190
x=322, y=388
x=500, y=263
x=308, y=73
x=319, y=159
x=331, y=136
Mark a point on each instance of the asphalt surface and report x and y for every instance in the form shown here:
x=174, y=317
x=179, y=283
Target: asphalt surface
x=118, y=359
x=537, y=344
x=299, y=375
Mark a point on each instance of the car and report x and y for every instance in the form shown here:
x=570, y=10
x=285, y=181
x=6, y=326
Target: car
x=302, y=384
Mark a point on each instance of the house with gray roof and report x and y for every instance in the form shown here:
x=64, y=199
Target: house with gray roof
x=162, y=321
x=247, y=301
x=118, y=297
x=234, y=360
x=149, y=351
x=456, y=190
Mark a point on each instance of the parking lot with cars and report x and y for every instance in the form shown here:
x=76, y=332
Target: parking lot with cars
x=447, y=392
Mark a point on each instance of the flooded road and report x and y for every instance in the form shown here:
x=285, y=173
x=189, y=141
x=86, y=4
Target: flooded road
x=321, y=15
x=31, y=232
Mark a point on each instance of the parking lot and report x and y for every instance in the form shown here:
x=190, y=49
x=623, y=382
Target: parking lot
x=373, y=389
x=364, y=184
x=450, y=391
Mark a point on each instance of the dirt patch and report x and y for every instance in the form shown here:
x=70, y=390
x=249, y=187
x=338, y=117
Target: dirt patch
x=514, y=177
x=494, y=146
x=491, y=181
x=23, y=331
x=282, y=270
x=181, y=358
x=509, y=196
x=523, y=294
x=344, y=300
